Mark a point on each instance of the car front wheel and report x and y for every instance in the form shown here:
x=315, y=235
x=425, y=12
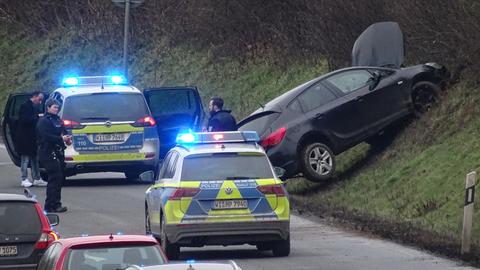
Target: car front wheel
x=281, y=248
x=424, y=96
x=318, y=161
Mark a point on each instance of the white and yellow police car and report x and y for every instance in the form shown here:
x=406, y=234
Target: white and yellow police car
x=218, y=189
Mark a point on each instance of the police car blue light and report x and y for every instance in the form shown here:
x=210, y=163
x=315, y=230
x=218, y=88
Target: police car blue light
x=116, y=79
x=190, y=261
x=218, y=137
x=70, y=81
x=186, y=138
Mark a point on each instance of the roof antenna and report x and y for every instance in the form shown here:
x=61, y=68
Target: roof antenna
x=102, y=84
x=111, y=237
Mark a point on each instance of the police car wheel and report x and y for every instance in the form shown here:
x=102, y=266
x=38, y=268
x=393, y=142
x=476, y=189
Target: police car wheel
x=317, y=161
x=171, y=250
x=281, y=248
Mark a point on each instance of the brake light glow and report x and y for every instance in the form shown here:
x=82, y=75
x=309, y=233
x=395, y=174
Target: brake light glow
x=72, y=124
x=274, y=138
x=146, y=121
x=184, y=192
x=272, y=189
x=48, y=235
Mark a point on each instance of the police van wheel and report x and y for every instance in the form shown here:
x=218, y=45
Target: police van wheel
x=171, y=250
x=281, y=248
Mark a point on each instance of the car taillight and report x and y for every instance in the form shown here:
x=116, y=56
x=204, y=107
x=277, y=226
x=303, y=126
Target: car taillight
x=183, y=192
x=69, y=124
x=272, y=189
x=146, y=121
x=274, y=138
x=48, y=236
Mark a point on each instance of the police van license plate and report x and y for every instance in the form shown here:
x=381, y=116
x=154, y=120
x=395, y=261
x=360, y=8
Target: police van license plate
x=8, y=250
x=109, y=137
x=230, y=204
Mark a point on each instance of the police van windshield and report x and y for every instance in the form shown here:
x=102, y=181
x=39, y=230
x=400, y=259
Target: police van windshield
x=223, y=166
x=105, y=106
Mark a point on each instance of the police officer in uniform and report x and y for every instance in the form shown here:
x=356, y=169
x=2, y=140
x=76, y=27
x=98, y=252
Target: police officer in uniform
x=51, y=145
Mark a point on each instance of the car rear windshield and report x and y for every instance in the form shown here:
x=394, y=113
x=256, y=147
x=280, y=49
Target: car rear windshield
x=113, y=257
x=224, y=166
x=260, y=124
x=105, y=106
x=19, y=218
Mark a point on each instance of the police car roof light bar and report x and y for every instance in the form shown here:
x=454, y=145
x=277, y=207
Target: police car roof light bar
x=94, y=80
x=218, y=137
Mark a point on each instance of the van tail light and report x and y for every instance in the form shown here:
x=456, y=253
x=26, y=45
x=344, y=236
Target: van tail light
x=183, y=192
x=274, y=138
x=70, y=124
x=272, y=189
x=146, y=121
x=48, y=236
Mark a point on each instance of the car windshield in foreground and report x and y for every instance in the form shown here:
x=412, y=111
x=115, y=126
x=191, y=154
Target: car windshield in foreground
x=113, y=258
x=19, y=218
x=223, y=166
x=105, y=106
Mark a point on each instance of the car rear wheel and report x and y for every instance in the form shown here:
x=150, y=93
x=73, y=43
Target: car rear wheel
x=171, y=250
x=424, y=96
x=281, y=248
x=318, y=161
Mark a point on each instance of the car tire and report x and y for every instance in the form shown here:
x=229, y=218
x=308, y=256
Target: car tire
x=281, y=248
x=148, y=228
x=317, y=161
x=424, y=96
x=172, y=251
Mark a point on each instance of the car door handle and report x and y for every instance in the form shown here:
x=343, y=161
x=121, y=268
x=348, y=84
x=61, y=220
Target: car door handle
x=319, y=115
x=359, y=98
x=399, y=82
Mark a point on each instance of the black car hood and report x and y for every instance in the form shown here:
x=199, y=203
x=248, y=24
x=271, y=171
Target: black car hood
x=380, y=45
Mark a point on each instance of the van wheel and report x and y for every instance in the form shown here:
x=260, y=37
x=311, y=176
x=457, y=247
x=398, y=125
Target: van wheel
x=318, y=162
x=281, y=248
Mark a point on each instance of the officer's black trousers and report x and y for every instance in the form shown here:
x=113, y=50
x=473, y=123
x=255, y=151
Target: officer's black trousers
x=54, y=169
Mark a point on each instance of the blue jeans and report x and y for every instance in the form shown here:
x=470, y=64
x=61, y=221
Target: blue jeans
x=33, y=161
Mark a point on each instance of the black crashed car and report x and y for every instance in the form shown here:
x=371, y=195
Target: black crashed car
x=305, y=128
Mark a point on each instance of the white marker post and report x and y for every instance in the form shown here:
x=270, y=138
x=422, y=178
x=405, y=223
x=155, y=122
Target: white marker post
x=468, y=212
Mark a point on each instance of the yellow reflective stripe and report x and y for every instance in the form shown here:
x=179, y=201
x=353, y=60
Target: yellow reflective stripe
x=224, y=196
x=103, y=129
x=185, y=203
x=268, y=181
x=272, y=200
x=283, y=208
x=189, y=184
x=109, y=157
x=173, y=214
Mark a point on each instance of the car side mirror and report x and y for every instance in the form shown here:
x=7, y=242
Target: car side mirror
x=148, y=176
x=53, y=219
x=279, y=172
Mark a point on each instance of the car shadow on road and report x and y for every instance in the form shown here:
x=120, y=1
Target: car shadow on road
x=99, y=182
x=224, y=254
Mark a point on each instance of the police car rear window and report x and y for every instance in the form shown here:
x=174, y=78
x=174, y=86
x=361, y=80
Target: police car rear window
x=223, y=166
x=105, y=106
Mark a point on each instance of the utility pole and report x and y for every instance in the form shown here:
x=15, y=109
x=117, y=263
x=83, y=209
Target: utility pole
x=127, y=4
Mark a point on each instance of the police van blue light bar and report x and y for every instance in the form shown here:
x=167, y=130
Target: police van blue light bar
x=217, y=137
x=94, y=80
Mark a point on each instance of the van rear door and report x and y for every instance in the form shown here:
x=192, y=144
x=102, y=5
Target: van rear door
x=9, y=123
x=174, y=109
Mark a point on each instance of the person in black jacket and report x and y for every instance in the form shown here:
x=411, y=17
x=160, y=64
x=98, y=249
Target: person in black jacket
x=51, y=145
x=220, y=119
x=26, y=143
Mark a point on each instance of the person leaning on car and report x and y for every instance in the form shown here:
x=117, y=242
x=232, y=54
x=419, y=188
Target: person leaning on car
x=51, y=146
x=220, y=119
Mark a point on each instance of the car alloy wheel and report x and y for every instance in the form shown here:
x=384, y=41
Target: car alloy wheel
x=320, y=160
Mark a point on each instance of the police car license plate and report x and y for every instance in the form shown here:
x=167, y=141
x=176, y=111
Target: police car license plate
x=8, y=250
x=230, y=204
x=109, y=137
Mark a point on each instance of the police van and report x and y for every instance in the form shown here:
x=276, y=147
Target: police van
x=115, y=126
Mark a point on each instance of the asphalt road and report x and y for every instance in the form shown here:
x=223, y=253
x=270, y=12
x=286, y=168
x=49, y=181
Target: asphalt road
x=106, y=203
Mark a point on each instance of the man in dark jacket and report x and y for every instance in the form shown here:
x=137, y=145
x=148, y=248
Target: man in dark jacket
x=220, y=119
x=26, y=143
x=51, y=146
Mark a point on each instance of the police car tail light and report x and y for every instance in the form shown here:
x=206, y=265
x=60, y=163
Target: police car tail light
x=274, y=138
x=184, y=192
x=146, y=121
x=72, y=124
x=272, y=189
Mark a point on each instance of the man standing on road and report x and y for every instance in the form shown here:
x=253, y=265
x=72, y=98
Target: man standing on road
x=220, y=119
x=26, y=144
x=51, y=146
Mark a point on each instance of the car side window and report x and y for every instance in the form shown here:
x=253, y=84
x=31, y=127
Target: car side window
x=161, y=175
x=170, y=172
x=349, y=81
x=315, y=96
